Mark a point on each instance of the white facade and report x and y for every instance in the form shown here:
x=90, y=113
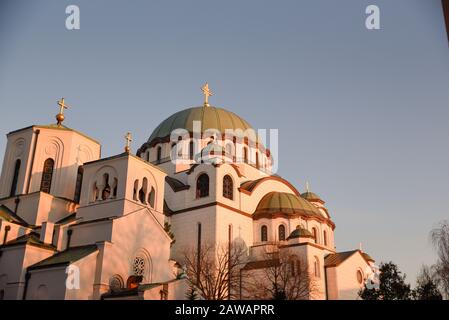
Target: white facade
x=76, y=226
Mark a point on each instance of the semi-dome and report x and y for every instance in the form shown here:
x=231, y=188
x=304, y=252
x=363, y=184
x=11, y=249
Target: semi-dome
x=300, y=233
x=284, y=203
x=210, y=117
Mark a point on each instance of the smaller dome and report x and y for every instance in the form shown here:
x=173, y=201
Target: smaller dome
x=311, y=196
x=284, y=203
x=300, y=233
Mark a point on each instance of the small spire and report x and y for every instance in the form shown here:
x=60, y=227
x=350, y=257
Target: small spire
x=360, y=246
x=60, y=116
x=307, y=187
x=129, y=139
x=207, y=93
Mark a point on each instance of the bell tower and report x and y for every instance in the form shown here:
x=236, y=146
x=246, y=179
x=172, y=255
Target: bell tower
x=46, y=159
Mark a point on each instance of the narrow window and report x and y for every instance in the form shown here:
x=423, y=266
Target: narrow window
x=79, y=183
x=315, y=235
x=281, y=232
x=151, y=197
x=228, y=187
x=15, y=178
x=106, y=193
x=245, y=155
x=136, y=186
x=47, y=175
x=257, y=160
x=316, y=267
x=159, y=154
x=325, y=237
x=143, y=191
x=202, y=186
x=191, y=150
x=264, y=233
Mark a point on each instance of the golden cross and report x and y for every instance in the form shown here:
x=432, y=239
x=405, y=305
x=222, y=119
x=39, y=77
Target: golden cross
x=129, y=139
x=62, y=106
x=207, y=93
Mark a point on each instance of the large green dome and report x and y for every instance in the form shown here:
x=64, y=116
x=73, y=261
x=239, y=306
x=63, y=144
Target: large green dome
x=210, y=117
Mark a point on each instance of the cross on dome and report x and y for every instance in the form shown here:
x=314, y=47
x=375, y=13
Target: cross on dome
x=129, y=139
x=207, y=93
x=62, y=106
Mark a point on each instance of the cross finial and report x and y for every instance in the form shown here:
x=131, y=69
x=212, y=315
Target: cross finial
x=62, y=106
x=129, y=139
x=207, y=93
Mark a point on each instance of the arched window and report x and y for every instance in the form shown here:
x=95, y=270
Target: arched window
x=257, y=160
x=315, y=235
x=116, y=283
x=281, y=231
x=47, y=175
x=325, y=237
x=174, y=152
x=245, y=155
x=15, y=178
x=228, y=187
x=79, y=183
x=264, y=233
x=159, y=154
x=191, y=151
x=143, y=191
x=136, y=186
x=202, y=186
x=151, y=197
x=316, y=267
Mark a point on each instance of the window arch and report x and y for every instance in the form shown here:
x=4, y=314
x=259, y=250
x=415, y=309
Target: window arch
x=281, y=232
x=228, y=187
x=316, y=267
x=15, y=178
x=325, y=237
x=202, y=186
x=79, y=183
x=47, y=175
x=315, y=235
x=264, y=233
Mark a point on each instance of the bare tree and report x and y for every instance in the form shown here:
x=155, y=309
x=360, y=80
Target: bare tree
x=440, y=239
x=281, y=276
x=215, y=270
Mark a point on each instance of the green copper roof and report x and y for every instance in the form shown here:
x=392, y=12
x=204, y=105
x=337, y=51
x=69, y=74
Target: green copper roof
x=286, y=203
x=210, y=117
x=310, y=196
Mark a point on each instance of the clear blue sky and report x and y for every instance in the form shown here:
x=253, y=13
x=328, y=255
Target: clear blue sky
x=363, y=115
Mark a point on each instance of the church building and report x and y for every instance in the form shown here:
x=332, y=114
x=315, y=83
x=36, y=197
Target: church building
x=76, y=226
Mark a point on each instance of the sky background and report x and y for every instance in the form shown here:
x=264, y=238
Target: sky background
x=362, y=115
